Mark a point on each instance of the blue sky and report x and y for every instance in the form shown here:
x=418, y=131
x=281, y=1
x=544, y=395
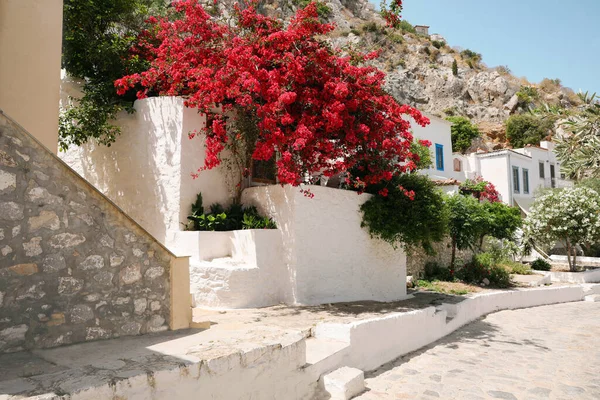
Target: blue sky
x=534, y=38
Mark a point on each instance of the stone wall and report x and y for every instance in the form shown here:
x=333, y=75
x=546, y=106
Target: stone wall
x=73, y=267
x=417, y=258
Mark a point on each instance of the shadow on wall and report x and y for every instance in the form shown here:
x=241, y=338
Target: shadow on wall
x=129, y=170
x=278, y=204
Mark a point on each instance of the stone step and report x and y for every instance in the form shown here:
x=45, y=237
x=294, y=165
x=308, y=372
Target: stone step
x=595, y=298
x=344, y=383
x=318, y=349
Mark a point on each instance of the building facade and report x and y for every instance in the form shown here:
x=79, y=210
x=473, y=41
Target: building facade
x=518, y=174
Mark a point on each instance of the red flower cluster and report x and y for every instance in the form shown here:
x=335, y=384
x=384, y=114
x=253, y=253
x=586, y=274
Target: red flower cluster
x=481, y=189
x=392, y=15
x=318, y=110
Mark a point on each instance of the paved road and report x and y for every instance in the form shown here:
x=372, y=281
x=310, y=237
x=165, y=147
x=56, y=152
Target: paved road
x=550, y=352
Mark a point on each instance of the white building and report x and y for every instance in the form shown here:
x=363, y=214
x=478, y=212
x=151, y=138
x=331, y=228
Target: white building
x=517, y=174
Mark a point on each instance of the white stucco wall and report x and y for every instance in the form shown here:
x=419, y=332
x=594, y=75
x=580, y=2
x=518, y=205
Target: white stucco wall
x=147, y=171
x=437, y=132
x=494, y=168
x=30, y=50
x=235, y=269
x=328, y=256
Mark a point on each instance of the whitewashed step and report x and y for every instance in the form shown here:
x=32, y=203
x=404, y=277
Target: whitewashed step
x=344, y=383
x=318, y=350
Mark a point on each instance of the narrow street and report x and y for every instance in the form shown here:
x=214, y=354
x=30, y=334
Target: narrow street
x=550, y=352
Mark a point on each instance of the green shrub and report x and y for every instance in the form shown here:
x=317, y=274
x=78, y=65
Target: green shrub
x=503, y=70
x=220, y=219
x=433, y=271
x=516, y=268
x=527, y=95
x=400, y=221
x=541, y=265
x=323, y=9
x=438, y=44
x=405, y=26
x=97, y=38
x=524, y=129
x=463, y=133
x=454, y=68
x=471, y=55
x=426, y=50
x=396, y=37
x=370, y=27
x=483, y=266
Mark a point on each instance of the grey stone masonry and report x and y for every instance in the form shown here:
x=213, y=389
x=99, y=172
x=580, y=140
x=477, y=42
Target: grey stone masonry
x=73, y=267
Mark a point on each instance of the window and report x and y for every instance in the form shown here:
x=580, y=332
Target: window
x=542, y=171
x=516, y=187
x=439, y=157
x=552, y=176
x=525, y=181
x=457, y=165
x=264, y=171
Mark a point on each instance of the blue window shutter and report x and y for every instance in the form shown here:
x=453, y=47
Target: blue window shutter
x=439, y=157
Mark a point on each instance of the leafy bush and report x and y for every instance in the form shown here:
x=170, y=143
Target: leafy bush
x=323, y=9
x=514, y=267
x=406, y=26
x=527, y=95
x=97, y=37
x=503, y=70
x=233, y=218
x=396, y=37
x=438, y=44
x=550, y=85
x=527, y=129
x=463, y=133
x=480, y=189
x=483, y=266
x=424, y=155
x=472, y=58
x=454, y=68
x=433, y=271
x=541, y=265
x=411, y=214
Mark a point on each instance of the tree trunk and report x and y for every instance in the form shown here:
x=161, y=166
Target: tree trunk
x=569, y=254
x=453, y=253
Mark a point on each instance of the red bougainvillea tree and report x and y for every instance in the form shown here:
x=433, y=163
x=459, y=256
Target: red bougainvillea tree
x=391, y=15
x=318, y=110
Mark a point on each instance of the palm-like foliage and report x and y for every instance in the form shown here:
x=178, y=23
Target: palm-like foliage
x=579, y=148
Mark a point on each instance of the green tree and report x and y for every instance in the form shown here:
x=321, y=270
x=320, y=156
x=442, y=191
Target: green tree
x=526, y=129
x=463, y=133
x=97, y=37
x=578, y=149
x=571, y=215
x=401, y=221
x=501, y=221
x=465, y=218
x=454, y=68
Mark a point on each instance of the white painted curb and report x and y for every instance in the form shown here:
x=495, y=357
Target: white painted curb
x=377, y=341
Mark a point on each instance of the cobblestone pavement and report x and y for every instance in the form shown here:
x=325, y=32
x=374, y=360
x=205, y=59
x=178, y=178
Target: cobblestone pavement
x=550, y=352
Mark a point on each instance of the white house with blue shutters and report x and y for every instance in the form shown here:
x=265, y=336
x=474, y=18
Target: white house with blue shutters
x=438, y=132
x=517, y=173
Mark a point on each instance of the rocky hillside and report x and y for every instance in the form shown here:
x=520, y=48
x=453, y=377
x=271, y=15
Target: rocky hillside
x=420, y=69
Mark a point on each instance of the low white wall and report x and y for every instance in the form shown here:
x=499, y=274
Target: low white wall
x=236, y=269
x=328, y=256
x=261, y=373
x=592, y=276
x=147, y=171
x=402, y=333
